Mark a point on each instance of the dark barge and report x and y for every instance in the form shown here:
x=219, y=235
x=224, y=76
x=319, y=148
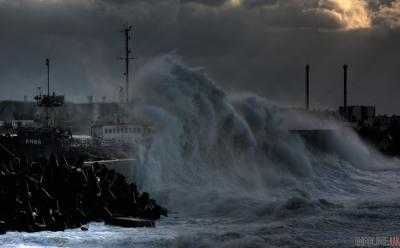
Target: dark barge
x=45, y=183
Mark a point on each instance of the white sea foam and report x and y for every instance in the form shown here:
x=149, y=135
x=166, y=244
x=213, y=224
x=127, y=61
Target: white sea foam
x=214, y=154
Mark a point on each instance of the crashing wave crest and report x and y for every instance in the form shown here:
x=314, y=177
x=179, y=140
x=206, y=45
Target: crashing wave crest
x=217, y=153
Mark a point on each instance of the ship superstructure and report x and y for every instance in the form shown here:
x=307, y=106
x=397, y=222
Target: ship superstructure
x=41, y=138
x=122, y=131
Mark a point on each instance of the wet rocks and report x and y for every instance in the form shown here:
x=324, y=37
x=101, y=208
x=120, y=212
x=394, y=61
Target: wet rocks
x=84, y=228
x=55, y=195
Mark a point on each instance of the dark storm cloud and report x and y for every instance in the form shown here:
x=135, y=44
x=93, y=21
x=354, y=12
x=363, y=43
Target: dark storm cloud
x=206, y=2
x=247, y=3
x=258, y=3
x=252, y=45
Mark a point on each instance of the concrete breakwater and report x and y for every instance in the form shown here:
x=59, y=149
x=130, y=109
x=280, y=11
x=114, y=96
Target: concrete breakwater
x=52, y=194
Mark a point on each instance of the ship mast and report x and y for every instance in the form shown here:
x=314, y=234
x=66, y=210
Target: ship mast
x=48, y=101
x=127, y=33
x=48, y=92
x=48, y=76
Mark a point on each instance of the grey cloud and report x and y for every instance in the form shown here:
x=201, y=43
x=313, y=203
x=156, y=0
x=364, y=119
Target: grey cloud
x=389, y=14
x=245, y=3
x=259, y=46
x=205, y=2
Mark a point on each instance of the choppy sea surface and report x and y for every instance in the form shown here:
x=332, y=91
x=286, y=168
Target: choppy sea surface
x=339, y=227
x=297, y=222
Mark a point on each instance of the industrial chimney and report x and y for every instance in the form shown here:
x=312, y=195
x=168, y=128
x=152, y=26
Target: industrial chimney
x=307, y=88
x=345, y=109
x=345, y=67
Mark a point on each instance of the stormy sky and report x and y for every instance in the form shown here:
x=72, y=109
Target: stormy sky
x=258, y=46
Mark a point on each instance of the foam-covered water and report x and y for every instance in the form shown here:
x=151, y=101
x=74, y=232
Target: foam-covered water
x=234, y=176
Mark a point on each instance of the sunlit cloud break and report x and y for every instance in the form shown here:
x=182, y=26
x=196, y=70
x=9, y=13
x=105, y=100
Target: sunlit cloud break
x=236, y=2
x=345, y=14
x=351, y=14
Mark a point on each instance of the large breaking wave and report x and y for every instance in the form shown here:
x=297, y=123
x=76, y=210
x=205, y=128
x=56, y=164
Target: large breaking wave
x=226, y=155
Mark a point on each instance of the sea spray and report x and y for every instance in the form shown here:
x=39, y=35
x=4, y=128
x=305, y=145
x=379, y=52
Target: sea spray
x=214, y=154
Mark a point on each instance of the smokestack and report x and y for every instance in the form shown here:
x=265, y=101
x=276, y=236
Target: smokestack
x=345, y=67
x=307, y=87
x=345, y=114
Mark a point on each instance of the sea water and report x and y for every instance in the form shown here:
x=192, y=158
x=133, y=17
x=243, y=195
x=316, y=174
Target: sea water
x=233, y=175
